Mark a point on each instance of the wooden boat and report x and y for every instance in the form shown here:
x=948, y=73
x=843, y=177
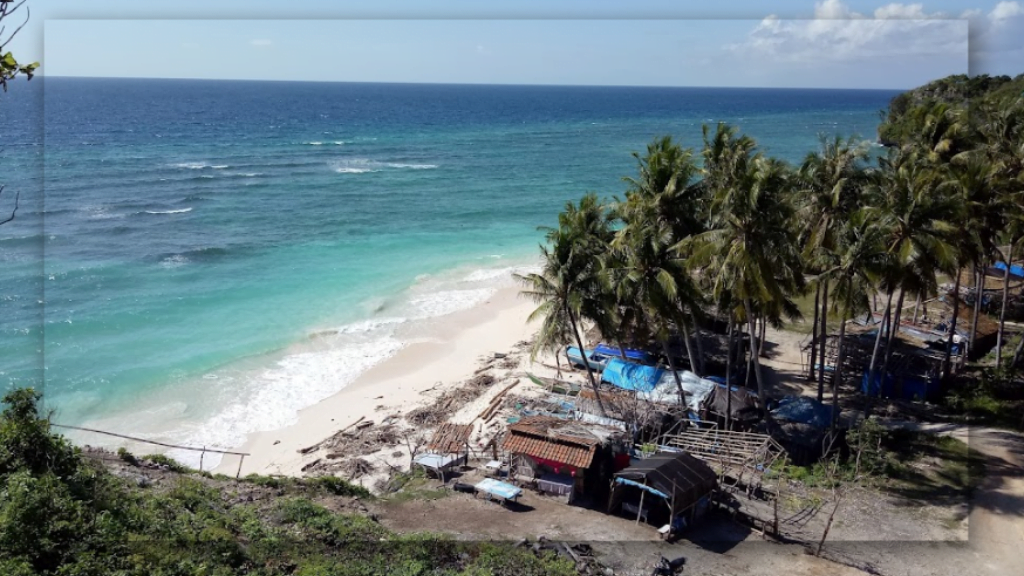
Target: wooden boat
x=596, y=361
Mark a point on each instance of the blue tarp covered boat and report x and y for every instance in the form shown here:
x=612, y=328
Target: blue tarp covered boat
x=596, y=361
x=631, y=376
x=631, y=354
x=1014, y=269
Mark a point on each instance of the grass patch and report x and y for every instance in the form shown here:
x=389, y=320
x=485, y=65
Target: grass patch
x=929, y=467
x=418, y=488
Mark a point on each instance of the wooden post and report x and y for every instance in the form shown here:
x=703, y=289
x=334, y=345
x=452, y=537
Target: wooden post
x=239, y=472
x=640, y=508
x=201, y=456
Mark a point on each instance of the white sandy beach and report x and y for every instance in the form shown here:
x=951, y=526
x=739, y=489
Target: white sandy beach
x=442, y=356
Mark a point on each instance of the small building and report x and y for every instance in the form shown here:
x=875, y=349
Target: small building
x=448, y=448
x=672, y=489
x=565, y=457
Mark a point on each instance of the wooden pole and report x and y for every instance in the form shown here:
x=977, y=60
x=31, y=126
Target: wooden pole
x=640, y=508
x=239, y=472
x=201, y=455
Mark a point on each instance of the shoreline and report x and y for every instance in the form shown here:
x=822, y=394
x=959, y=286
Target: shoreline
x=440, y=357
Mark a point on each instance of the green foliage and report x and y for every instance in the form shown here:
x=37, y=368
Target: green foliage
x=127, y=456
x=62, y=514
x=170, y=463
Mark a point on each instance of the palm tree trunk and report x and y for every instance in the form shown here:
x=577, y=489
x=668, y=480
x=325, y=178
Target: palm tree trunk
x=689, y=347
x=837, y=373
x=586, y=363
x=755, y=354
x=952, y=327
x=872, y=372
x=1002, y=309
x=814, y=333
x=699, y=340
x=979, y=285
x=917, y=307
x=675, y=373
x=893, y=333
x=728, y=379
x=824, y=341
x=764, y=330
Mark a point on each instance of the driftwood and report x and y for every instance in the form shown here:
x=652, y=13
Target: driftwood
x=310, y=465
x=316, y=446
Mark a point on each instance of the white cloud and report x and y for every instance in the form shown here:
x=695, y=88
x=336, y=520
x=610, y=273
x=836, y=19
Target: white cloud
x=1000, y=30
x=838, y=33
x=261, y=42
x=1005, y=10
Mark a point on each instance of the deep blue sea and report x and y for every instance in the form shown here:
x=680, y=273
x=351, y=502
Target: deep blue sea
x=195, y=260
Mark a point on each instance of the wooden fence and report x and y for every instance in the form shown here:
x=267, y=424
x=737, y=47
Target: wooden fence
x=202, y=450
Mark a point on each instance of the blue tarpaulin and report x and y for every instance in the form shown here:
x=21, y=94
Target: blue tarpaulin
x=803, y=410
x=1014, y=269
x=629, y=482
x=630, y=376
x=907, y=387
x=613, y=352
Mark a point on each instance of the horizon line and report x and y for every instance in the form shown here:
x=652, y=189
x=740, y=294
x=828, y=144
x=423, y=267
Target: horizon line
x=416, y=83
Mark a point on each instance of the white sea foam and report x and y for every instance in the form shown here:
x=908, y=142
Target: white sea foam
x=412, y=166
x=369, y=325
x=363, y=165
x=180, y=211
x=271, y=398
x=200, y=166
x=175, y=261
x=488, y=274
x=449, y=301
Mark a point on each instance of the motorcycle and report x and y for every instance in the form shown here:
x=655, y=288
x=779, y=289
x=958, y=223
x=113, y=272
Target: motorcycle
x=666, y=567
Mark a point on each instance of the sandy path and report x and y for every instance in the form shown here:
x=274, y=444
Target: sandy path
x=996, y=520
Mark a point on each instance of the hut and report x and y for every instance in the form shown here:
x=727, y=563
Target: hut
x=565, y=457
x=448, y=448
x=668, y=489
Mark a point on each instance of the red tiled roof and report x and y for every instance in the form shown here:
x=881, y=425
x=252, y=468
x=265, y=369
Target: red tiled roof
x=540, y=437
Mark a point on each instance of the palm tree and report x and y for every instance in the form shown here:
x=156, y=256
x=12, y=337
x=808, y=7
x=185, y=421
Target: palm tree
x=653, y=275
x=750, y=249
x=568, y=288
x=662, y=194
x=915, y=217
x=862, y=255
x=830, y=182
x=1001, y=130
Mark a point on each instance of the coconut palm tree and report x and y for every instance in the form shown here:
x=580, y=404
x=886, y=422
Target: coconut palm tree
x=862, y=257
x=916, y=220
x=830, y=183
x=1001, y=131
x=568, y=288
x=750, y=248
x=663, y=193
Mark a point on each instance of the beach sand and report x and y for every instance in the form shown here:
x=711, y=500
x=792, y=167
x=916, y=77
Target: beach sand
x=440, y=358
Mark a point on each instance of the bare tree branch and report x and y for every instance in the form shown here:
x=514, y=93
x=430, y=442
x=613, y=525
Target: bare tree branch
x=7, y=10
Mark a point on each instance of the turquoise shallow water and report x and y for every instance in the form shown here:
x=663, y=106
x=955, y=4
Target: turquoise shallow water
x=195, y=260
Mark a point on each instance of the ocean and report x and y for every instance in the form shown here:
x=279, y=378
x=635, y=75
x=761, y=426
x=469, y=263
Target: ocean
x=195, y=260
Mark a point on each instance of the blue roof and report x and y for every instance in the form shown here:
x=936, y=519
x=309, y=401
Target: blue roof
x=631, y=376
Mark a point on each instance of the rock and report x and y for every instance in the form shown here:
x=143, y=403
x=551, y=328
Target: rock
x=276, y=442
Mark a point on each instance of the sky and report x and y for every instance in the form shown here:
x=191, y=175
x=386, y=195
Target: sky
x=801, y=43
